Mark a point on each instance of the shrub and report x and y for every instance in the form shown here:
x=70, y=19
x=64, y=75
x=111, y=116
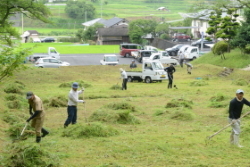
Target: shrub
x=29, y=155
x=94, y=129
x=179, y=103
x=114, y=116
x=240, y=82
x=220, y=48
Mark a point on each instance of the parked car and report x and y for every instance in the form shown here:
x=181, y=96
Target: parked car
x=109, y=59
x=48, y=39
x=181, y=37
x=205, y=42
x=50, y=62
x=174, y=50
x=127, y=48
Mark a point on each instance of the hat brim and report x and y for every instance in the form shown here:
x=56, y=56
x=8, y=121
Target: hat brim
x=28, y=97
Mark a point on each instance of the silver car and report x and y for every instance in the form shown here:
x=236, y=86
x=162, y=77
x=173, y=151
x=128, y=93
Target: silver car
x=50, y=62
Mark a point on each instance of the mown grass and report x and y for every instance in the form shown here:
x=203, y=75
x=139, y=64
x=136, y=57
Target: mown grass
x=173, y=136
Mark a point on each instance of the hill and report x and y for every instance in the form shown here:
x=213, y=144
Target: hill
x=147, y=125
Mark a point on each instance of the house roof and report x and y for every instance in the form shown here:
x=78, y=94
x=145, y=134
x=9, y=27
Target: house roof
x=106, y=23
x=113, y=31
x=33, y=32
x=202, y=15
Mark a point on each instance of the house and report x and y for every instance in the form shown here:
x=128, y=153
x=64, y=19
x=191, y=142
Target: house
x=115, y=21
x=113, y=35
x=28, y=35
x=200, y=21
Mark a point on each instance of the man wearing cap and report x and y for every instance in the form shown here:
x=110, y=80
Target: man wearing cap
x=133, y=65
x=235, y=109
x=72, y=104
x=37, y=117
x=125, y=79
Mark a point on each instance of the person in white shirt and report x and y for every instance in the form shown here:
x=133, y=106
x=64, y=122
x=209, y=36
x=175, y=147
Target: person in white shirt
x=72, y=104
x=125, y=79
x=181, y=58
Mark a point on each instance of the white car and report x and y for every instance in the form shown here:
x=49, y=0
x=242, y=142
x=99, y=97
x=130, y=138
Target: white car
x=109, y=59
x=36, y=40
x=183, y=49
x=50, y=62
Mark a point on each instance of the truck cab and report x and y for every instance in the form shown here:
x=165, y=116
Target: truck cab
x=191, y=53
x=163, y=57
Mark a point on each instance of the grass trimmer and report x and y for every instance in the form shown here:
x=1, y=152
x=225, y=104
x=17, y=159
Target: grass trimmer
x=84, y=112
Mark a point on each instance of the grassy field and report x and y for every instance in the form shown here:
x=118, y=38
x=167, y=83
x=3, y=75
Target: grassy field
x=69, y=48
x=153, y=135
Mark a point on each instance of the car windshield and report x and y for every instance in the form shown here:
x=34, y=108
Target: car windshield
x=157, y=66
x=165, y=54
x=111, y=59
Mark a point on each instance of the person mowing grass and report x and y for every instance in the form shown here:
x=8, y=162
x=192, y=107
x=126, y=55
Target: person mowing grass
x=235, y=109
x=170, y=71
x=124, y=79
x=72, y=104
x=37, y=117
x=189, y=67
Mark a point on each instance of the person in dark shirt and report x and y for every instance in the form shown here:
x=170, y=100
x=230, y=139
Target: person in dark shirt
x=235, y=110
x=170, y=70
x=133, y=65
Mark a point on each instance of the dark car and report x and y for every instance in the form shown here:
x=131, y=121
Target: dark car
x=174, y=50
x=198, y=43
x=48, y=39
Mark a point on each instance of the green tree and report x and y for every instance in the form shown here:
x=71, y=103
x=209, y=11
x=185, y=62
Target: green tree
x=162, y=29
x=139, y=28
x=89, y=33
x=242, y=37
x=79, y=9
x=13, y=56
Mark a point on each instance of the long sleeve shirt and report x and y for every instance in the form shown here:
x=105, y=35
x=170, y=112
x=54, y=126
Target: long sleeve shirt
x=124, y=74
x=73, y=97
x=235, y=107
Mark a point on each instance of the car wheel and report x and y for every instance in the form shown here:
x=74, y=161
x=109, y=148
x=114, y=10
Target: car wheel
x=194, y=58
x=130, y=79
x=148, y=80
x=173, y=54
x=126, y=55
x=40, y=66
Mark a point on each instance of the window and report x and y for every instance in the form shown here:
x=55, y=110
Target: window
x=53, y=61
x=45, y=60
x=157, y=66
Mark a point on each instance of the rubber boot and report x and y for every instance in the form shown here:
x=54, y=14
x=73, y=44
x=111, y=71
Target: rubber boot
x=45, y=132
x=232, y=138
x=236, y=140
x=38, y=139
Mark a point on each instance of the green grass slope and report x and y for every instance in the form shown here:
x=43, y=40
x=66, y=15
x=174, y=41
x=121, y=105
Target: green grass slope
x=165, y=127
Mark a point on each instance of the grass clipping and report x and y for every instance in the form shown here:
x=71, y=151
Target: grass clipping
x=94, y=129
x=180, y=109
x=120, y=112
x=29, y=155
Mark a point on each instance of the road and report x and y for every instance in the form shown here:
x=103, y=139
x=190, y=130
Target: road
x=90, y=59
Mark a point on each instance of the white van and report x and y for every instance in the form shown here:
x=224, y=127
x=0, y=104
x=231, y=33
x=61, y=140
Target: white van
x=192, y=53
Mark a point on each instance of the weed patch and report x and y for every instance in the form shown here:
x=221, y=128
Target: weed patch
x=240, y=82
x=14, y=117
x=15, y=130
x=114, y=116
x=216, y=104
x=179, y=103
x=94, y=129
x=198, y=83
x=29, y=155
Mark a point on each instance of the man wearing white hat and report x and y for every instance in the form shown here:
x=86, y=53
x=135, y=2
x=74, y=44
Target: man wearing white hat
x=125, y=79
x=72, y=104
x=235, y=109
